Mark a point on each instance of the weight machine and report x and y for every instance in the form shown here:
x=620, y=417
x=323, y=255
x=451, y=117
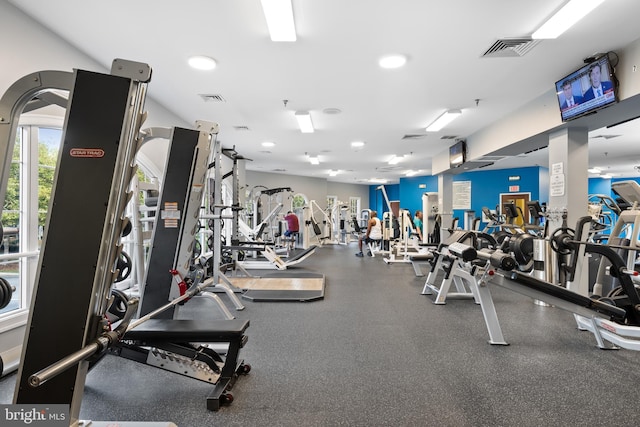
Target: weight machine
x=614, y=319
x=274, y=203
x=94, y=173
x=430, y=219
x=467, y=273
x=177, y=220
x=404, y=249
x=320, y=230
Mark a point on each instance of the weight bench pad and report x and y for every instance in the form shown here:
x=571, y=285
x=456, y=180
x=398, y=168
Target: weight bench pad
x=188, y=330
x=422, y=257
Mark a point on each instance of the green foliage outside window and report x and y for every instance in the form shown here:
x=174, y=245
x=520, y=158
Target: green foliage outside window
x=11, y=209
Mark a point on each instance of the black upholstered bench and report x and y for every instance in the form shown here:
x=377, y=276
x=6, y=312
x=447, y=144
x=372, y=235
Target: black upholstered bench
x=180, y=346
x=188, y=330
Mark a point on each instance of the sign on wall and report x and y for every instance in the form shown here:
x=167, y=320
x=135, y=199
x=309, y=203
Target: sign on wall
x=462, y=195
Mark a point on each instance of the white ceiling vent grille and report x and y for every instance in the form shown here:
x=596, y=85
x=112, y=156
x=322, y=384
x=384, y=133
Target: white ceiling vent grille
x=510, y=47
x=207, y=97
x=241, y=128
x=448, y=137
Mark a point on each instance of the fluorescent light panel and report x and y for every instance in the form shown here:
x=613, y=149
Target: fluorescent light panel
x=446, y=118
x=279, y=16
x=568, y=15
x=304, y=121
x=314, y=160
x=395, y=159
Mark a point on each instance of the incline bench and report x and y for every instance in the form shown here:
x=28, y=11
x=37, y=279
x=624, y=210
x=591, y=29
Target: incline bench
x=166, y=343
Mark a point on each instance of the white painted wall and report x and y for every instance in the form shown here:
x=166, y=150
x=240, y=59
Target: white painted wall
x=28, y=47
x=535, y=120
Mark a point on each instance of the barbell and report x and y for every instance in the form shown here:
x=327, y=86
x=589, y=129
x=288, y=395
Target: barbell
x=496, y=258
x=109, y=338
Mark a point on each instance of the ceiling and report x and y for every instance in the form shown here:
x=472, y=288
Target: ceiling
x=334, y=65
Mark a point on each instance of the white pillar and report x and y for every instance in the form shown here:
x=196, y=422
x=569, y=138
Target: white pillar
x=569, y=183
x=568, y=164
x=445, y=202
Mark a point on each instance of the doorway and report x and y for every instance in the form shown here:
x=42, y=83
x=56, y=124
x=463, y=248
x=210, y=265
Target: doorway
x=519, y=200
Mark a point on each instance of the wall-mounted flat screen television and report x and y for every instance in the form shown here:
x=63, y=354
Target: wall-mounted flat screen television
x=588, y=89
x=457, y=154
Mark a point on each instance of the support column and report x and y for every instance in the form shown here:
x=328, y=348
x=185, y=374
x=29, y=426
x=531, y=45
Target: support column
x=568, y=182
x=568, y=176
x=445, y=202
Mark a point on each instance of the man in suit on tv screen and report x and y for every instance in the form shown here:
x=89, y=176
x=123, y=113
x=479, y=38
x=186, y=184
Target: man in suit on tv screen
x=597, y=88
x=570, y=99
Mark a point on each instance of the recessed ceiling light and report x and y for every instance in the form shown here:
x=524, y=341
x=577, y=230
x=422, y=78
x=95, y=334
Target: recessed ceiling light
x=202, y=62
x=357, y=144
x=393, y=61
x=268, y=144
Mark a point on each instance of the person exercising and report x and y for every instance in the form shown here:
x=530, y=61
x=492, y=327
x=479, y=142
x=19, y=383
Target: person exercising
x=417, y=223
x=373, y=234
x=293, y=225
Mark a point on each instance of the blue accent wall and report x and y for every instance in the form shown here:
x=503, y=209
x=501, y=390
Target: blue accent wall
x=411, y=193
x=486, y=187
x=599, y=186
x=603, y=185
x=376, y=199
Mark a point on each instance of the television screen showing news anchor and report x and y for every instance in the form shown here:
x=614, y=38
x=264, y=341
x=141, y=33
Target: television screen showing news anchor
x=585, y=90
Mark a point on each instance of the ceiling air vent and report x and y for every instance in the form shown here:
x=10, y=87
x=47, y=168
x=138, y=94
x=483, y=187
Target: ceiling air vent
x=390, y=168
x=490, y=158
x=241, y=127
x=413, y=136
x=448, y=137
x=510, y=47
x=605, y=136
x=535, y=149
x=211, y=97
